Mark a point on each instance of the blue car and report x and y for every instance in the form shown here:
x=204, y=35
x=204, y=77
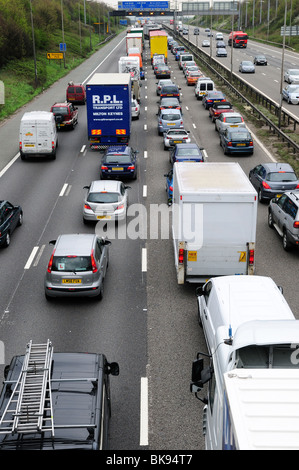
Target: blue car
x=10, y=217
x=186, y=153
x=236, y=140
x=119, y=161
x=169, y=186
x=178, y=51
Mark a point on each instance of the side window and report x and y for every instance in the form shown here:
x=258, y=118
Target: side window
x=207, y=291
x=281, y=201
x=290, y=208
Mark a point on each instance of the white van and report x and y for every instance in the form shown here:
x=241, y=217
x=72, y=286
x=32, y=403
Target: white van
x=38, y=134
x=203, y=85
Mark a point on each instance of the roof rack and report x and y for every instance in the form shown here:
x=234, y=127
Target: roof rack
x=31, y=397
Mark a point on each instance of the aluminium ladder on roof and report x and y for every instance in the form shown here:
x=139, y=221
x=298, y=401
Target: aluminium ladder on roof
x=30, y=405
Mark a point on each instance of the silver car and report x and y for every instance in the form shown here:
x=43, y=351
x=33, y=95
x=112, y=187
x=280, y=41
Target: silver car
x=105, y=200
x=169, y=119
x=175, y=136
x=246, y=66
x=291, y=75
x=290, y=93
x=77, y=266
x=135, y=109
x=283, y=215
x=226, y=120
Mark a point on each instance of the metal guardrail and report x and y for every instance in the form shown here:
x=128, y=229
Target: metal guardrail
x=221, y=73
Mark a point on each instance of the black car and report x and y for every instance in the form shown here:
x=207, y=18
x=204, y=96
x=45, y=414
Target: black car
x=172, y=91
x=10, y=217
x=260, y=59
x=119, y=161
x=169, y=103
x=69, y=408
x=163, y=71
x=273, y=179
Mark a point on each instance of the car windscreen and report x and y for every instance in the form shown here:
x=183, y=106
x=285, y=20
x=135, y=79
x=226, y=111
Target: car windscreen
x=223, y=106
x=71, y=263
x=188, y=152
x=103, y=197
x=281, y=176
x=117, y=159
x=246, y=63
x=171, y=117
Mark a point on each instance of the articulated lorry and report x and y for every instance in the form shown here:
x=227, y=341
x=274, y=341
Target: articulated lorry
x=108, y=100
x=252, y=338
x=214, y=217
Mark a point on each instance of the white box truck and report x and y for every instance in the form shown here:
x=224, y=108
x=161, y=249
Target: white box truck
x=38, y=134
x=251, y=334
x=214, y=216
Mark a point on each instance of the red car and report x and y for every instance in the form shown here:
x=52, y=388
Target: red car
x=66, y=114
x=217, y=108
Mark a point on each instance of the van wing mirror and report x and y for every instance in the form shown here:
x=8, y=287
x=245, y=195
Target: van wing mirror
x=200, y=376
x=52, y=242
x=113, y=368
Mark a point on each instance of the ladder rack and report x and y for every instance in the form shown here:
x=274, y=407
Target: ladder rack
x=29, y=409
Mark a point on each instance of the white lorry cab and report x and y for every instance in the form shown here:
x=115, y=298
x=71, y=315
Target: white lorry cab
x=250, y=332
x=38, y=135
x=214, y=215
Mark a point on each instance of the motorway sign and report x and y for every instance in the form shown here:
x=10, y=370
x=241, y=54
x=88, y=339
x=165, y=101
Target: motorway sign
x=143, y=5
x=54, y=55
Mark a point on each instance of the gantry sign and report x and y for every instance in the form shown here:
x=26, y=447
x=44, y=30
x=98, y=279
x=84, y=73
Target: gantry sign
x=143, y=8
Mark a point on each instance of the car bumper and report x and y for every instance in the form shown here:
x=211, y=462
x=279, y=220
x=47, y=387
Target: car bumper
x=270, y=193
x=239, y=149
x=92, y=291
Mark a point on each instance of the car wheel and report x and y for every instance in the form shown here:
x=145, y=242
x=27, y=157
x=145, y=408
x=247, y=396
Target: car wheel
x=285, y=241
x=48, y=298
x=260, y=196
x=270, y=219
x=7, y=240
x=20, y=221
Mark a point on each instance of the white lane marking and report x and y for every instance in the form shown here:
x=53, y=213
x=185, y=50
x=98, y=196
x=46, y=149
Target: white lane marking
x=145, y=154
x=194, y=126
x=39, y=255
x=4, y=170
x=144, y=191
x=145, y=127
x=143, y=440
x=63, y=189
x=31, y=257
x=144, y=260
x=83, y=148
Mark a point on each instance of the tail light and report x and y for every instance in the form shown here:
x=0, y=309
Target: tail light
x=251, y=143
x=251, y=257
x=181, y=123
x=229, y=144
x=103, y=167
x=87, y=206
x=132, y=167
x=265, y=185
x=297, y=187
x=53, y=145
x=20, y=145
x=121, y=206
x=93, y=263
x=170, y=188
x=181, y=256
x=296, y=224
x=51, y=262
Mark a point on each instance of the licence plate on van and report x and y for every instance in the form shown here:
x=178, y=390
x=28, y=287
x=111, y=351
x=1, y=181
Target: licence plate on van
x=29, y=145
x=71, y=281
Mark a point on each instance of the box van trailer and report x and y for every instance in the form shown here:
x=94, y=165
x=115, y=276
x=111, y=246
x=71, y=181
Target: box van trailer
x=38, y=135
x=214, y=216
x=158, y=43
x=251, y=336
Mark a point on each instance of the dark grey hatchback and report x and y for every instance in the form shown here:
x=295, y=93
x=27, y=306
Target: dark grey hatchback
x=273, y=179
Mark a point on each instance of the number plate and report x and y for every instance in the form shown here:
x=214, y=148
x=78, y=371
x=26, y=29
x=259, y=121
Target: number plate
x=117, y=169
x=29, y=145
x=171, y=124
x=101, y=217
x=241, y=145
x=71, y=281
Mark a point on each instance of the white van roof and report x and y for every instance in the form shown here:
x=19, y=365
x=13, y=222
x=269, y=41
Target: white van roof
x=246, y=298
x=38, y=116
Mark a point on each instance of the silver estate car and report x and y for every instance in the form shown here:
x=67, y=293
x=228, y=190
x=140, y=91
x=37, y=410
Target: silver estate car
x=105, y=200
x=169, y=119
x=283, y=215
x=77, y=266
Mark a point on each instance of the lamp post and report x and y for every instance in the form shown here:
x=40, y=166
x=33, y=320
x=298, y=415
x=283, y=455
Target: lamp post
x=33, y=46
x=282, y=63
x=62, y=29
x=232, y=45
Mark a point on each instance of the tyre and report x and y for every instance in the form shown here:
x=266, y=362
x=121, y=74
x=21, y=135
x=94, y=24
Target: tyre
x=260, y=196
x=7, y=240
x=285, y=241
x=20, y=221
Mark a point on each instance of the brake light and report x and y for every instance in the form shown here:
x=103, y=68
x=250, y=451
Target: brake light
x=53, y=145
x=121, y=206
x=251, y=257
x=209, y=101
x=93, y=263
x=181, y=122
x=20, y=145
x=132, y=167
x=251, y=143
x=86, y=206
x=51, y=262
x=296, y=224
x=297, y=187
x=181, y=256
x=265, y=185
x=170, y=188
x=229, y=144
x=103, y=167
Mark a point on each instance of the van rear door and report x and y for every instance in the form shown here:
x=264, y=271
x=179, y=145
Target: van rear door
x=44, y=136
x=28, y=137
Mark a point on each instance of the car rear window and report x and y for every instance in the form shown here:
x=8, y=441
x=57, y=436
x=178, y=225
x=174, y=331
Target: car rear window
x=169, y=89
x=118, y=159
x=58, y=110
x=188, y=152
x=171, y=117
x=233, y=119
x=103, y=197
x=281, y=176
x=71, y=263
x=240, y=136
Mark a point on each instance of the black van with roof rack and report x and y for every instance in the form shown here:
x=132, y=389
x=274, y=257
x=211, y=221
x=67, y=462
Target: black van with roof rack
x=56, y=401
